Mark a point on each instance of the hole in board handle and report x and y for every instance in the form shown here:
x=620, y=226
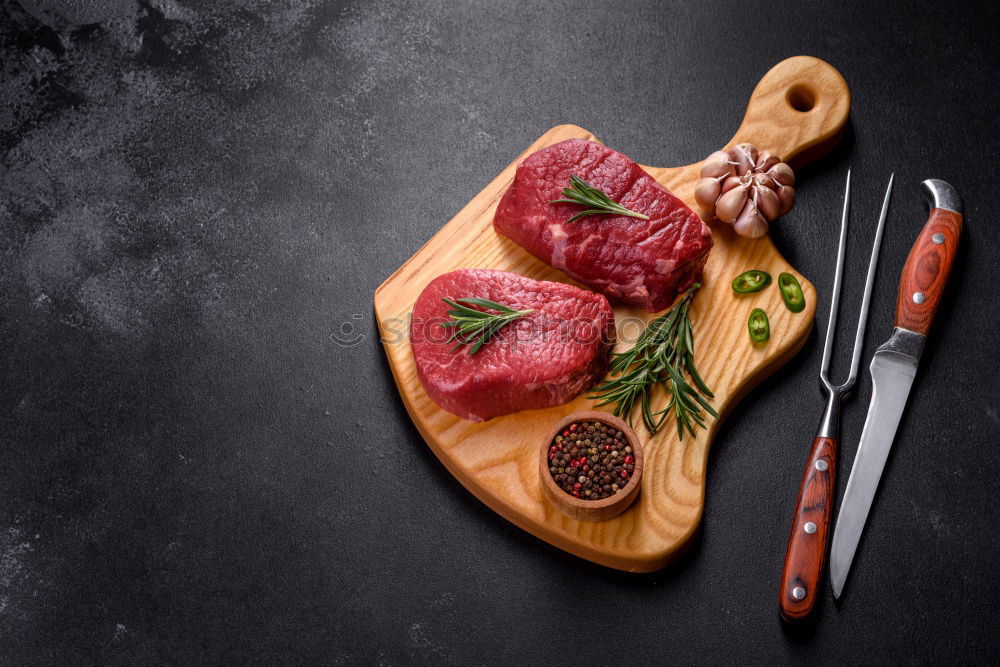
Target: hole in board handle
x=801, y=98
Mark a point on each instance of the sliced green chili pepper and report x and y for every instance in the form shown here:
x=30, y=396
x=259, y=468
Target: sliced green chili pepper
x=751, y=281
x=758, y=326
x=791, y=293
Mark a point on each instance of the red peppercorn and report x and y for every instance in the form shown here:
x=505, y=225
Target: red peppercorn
x=588, y=459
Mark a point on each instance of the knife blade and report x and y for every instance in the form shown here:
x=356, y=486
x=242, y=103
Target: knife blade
x=894, y=367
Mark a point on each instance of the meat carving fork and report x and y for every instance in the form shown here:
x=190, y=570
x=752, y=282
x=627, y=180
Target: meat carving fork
x=807, y=541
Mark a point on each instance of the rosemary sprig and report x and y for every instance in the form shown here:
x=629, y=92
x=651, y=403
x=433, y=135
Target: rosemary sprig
x=663, y=356
x=581, y=192
x=475, y=327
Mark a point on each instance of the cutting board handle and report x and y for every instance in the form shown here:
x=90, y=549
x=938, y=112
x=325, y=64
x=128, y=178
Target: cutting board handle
x=798, y=111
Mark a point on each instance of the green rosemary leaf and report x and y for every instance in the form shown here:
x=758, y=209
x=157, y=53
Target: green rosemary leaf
x=486, y=303
x=589, y=211
x=705, y=404
x=460, y=310
x=662, y=356
x=597, y=201
x=475, y=327
x=693, y=372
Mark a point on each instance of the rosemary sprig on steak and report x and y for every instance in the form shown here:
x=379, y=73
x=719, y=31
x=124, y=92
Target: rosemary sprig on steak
x=476, y=327
x=664, y=357
x=582, y=193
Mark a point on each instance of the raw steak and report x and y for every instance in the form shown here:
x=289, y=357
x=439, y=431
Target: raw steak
x=542, y=359
x=644, y=262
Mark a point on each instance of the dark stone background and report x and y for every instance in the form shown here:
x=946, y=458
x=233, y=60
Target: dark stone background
x=197, y=199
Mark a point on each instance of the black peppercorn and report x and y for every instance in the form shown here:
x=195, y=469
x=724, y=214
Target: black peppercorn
x=591, y=460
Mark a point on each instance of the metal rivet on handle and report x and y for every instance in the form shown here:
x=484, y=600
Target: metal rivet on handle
x=918, y=297
x=821, y=465
x=798, y=592
x=810, y=527
x=938, y=238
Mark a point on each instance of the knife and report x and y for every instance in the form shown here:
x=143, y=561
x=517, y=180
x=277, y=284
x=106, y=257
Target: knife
x=895, y=365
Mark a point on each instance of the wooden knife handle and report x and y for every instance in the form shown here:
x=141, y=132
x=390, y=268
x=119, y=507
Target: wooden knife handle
x=926, y=270
x=806, y=552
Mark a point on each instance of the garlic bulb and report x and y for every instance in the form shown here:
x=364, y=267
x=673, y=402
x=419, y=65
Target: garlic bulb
x=746, y=188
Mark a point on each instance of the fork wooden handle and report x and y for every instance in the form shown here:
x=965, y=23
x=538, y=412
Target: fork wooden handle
x=806, y=552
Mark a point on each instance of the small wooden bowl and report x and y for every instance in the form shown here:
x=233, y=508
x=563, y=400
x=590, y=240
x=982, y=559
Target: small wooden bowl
x=591, y=510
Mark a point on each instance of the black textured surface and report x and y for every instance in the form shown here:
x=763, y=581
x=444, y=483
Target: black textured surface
x=197, y=200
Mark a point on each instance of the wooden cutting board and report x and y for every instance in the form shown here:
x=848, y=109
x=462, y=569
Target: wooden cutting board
x=799, y=111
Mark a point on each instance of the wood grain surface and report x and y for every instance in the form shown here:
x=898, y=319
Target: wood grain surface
x=926, y=271
x=798, y=110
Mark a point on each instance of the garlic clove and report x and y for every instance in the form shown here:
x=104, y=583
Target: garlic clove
x=718, y=156
x=745, y=156
x=782, y=173
x=765, y=161
x=716, y=170
x=730, y=183
x=750, y=223
x=786, y=196
x=750, y=150
x=741, y=159
x=731, y=203
x=716, y=165
x=707, y=191
x=768, y=203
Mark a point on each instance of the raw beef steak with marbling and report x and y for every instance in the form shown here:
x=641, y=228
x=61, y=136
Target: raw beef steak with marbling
x=643, y=262
x=542, y=359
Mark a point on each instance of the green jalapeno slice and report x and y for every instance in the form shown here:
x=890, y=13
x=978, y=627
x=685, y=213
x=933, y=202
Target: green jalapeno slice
x=791, y=293
x=751, y=281
x=758, y=326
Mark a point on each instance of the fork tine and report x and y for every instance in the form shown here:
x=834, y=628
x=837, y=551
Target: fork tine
x=869, y=281
x=831, y=326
